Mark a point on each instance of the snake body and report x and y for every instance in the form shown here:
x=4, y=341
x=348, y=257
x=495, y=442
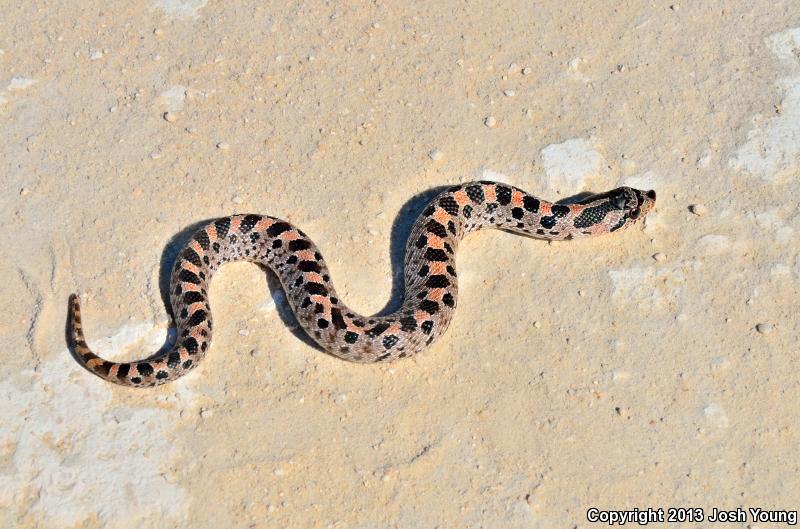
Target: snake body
x=431, y=286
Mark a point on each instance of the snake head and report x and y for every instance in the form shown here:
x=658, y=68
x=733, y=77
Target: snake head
x=634, y=203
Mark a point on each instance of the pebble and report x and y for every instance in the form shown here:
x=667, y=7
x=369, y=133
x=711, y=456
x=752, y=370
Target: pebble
x=698, y=209
x=205, y=413
x=435, y=155
x=158, y=32
x=537, y=324
x=659, y=257
x=255, y=353
x=170, y=117
x=223, y=146
x=526, y=71
x=764, y=328
x=509, y=93
x=237, y=199
x=96, y=55
x=490, y=122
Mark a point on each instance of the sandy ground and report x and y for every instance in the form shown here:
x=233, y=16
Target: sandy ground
x=575, y=375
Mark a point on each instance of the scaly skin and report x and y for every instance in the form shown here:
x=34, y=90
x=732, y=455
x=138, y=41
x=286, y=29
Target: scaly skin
x=431, y=289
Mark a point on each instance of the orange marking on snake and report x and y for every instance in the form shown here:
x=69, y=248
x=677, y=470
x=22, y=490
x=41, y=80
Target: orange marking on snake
x=263, y=224
x=461, y=198
x=190, y=267
x=313, y=277
x=437, y=267
x=290, y=235
x=441, y=216
x=436, y=294
x=434, y=241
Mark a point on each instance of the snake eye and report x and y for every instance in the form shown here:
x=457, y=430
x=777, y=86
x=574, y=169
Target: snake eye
x=635, y=213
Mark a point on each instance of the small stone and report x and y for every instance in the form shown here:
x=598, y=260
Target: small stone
x=660, y=257
x=237, y=199
x=158, y=32
x=255, y=353
x=537, y=324
x=698, y=209
x=490, y=122
x=509, y=93
x=622, y=412
x=96, y=55
x=582, y=293
x=170, y=117
x=205, y=413
x=675, y=7
x=155, y=155
x=24, y=191
x=244, y=332
x=526, y=71
x=764, y=328
x=435, y=155
x=223, y=146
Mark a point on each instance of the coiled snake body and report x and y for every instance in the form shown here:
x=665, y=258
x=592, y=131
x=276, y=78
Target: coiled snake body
x=430, y=275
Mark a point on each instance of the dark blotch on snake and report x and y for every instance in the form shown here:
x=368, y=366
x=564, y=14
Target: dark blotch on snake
x=248, y=222
x=435, y=254
x=222, y=226
x=378, y=329
x=436, y=228
x=429, y=306
x=189, y=277
x=316, y=288
x=299, y=244
x=503, y=195
x=278, y=228
x=196, y=318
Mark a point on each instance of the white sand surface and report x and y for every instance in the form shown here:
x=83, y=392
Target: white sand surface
x=575, y=375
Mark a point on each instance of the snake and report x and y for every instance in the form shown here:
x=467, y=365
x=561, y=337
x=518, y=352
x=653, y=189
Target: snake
x=430, y=279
